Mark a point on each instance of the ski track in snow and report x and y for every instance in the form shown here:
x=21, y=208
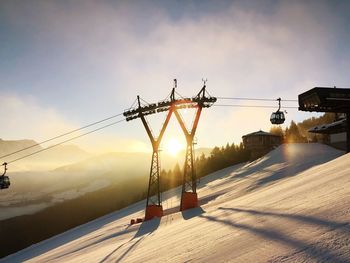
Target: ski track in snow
x=292, y=205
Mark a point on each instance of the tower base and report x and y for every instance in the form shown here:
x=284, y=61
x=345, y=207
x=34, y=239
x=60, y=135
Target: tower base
x=189, y=200
x=153, y=211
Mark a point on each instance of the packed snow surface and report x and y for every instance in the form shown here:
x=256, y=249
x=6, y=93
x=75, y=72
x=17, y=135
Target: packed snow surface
x=292, y=205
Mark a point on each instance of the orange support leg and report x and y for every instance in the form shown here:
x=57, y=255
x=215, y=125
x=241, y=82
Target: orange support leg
x=189, y=200
x=153, y=211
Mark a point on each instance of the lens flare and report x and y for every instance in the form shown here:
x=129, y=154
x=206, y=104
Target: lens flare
x=173, y=146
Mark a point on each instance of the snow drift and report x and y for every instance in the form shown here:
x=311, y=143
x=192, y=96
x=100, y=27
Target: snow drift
x=290, y=205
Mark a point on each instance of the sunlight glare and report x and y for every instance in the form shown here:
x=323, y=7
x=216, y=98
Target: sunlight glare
x=173, y=146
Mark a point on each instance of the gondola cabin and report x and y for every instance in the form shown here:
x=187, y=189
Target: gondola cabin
x=4, y=182
x=277, y=117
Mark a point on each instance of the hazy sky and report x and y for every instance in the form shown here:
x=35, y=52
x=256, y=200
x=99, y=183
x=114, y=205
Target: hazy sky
x=64, y=64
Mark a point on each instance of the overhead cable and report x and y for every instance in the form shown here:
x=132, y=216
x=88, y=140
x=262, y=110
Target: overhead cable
x=257, y=99
x=62, y=135
x=252, y=106
x=71, y=139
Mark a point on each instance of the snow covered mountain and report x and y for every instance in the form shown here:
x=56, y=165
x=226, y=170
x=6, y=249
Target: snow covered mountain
x=290, y=205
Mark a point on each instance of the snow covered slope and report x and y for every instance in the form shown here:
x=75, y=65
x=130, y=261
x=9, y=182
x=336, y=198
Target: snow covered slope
x=291, y=205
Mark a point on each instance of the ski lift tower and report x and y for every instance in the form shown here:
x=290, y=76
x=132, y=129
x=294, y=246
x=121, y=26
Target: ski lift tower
x=189, y=197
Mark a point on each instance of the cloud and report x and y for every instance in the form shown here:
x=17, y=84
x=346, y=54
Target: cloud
x=25, y=118
x=103, y=54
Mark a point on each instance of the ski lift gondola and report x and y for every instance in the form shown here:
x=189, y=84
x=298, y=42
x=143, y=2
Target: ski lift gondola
x=278, y=116
x=4, y=180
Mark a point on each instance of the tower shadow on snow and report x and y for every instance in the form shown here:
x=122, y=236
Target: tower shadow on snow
x=311, y=249
x=193, y=212
x=148, y=227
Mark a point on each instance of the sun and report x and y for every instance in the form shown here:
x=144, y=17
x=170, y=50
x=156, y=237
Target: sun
x=173, y=146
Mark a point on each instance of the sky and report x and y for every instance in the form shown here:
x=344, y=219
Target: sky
x=65, y=64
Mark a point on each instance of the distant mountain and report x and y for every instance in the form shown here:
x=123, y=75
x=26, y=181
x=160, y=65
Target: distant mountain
x=108, y=162
x=7, y=147
x=47, y=160
x=60, y=155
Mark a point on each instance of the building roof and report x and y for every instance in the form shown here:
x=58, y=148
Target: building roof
x=321, y=99
x=260, y=133
x=330, y=128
